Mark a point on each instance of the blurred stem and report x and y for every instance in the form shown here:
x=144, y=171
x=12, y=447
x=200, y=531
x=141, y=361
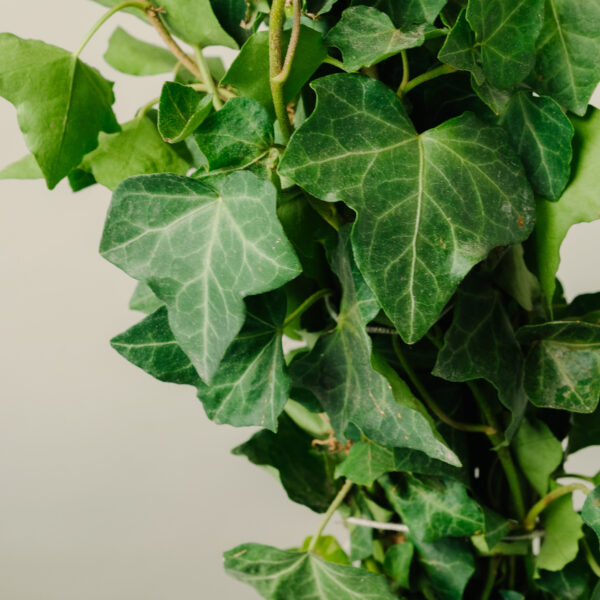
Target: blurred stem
x=413, y=83
x=305, y=306
x=543, y=503
x=591, y=559
x=491, y=577
x=207, y=77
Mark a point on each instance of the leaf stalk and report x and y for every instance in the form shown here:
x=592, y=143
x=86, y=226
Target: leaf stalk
x=207, y=78
x=427, y=76
x=543, y=503
x=306, y=305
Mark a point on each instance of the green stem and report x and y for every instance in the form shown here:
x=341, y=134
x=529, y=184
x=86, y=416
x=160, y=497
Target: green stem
x=330, y=512
x=428, y=399
x=306, y=305
x=491, y=578
x=329, y=60
x=405, y=73
x=576, y=476
x=107, y=15
x=591, y=559
x=143, y=110
x=437, y=72
x=541, y=504
x=201, y=87
x=207, y=77
x=283, y=75
x=276, y=21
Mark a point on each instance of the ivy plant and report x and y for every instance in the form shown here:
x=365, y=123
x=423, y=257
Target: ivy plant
x=388, y=184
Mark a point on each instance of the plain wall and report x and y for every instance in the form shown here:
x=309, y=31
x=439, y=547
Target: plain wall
x=115, y=485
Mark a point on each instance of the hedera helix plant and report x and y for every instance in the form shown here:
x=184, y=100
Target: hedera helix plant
x=388, y=183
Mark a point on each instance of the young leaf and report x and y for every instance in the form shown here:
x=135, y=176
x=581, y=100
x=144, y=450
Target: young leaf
x=462, y=192
x=25, y=168
x=435, y=508
x=305, y=473
x=398, y=559
x=407, y=13
x=568, y=53
x=144, y=299
x=481, y=343
x=136, y=150
x=541, y=134
x=339, y=372
x=283, y=575
x=591, y=511
x=200, y=252
x=235, y=136
x=366, y=36
x=328, y=548
x=564, y=529
x=62, y=103
x=249, y=72
x=129, y=55
x=538, y=452
x=580, y=203
x=507, y=31
x=562, y=365
x=181, y=111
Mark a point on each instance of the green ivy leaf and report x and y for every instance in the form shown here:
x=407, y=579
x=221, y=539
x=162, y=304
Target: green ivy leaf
x=538, y=452
x=235, y=136
x=541, y=134
x=283, y=575
x=564, y=529
x=591, y=511
x=135, y=150
x=62, y=103
x=462, y=192
x=496, y=527
x=181, y=111
x=435, y=508
x=507, y=31
x=407, y=13
x=570, y=583
x=515, y=278
x=339, y=372
x=144, y=299
x=249, y=72
x=231, y=15
x=327, y=548
x=496, y=99
x=568, y=53
x=580, y=203
x=305, y=473
x=200, y=252
x=398, y=559
x=481, y=343
x=24, y=168
x=562, y=365
x=129, y=55
x=366, y=36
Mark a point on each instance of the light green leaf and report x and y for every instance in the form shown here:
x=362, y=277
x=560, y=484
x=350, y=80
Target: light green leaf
x=366, y=36
x=580, y=203
x=136, y=150
x=249, y=72
x=62, y=103
x=181, y=111
x=591, y=511
x=568, y=53
x=459, y=49
x=339, y=372
x=481, y=343
x=570, y=583
x=434, y=508
x=235, y=136
x=407, y=13
x=538, y=453
x=144, y=299
x=507, y=31
x=305, y=472
x=129, y=55
x=461, y=193
x=561, y=369
x=564, y=529
x=200, y=252
x=283, y=575
x=398, y=559
x=541, y=134
x=328, y=548
x=25, y=168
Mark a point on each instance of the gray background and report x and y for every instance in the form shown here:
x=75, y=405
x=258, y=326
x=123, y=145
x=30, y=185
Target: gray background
x=115, y=485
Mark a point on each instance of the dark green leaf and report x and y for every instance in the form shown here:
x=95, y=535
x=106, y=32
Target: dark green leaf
x=538, y=453
x=181, y=111
x=481, y=343
x=507, y=31
x=398, y=559
x=496, y=527
x=249, y=72
x=570, y=583
x=407, y=13
x=231, y=15
x=462, y=192
x=144, y=299
x=541, y=134
x=496, y=99
x=305, y=473
x=339, y=372
x=25, y=168
x=235, y=136
x=568, y=53
x=514, y=277
x=585, y=431
x=366, y=36
x=580, y=203
x=62, y=103
x=200, y=252
x=137, y=149
x=129, y=55
x=509, y=595
x=282, y=575
x=591, y=511
x=562, y=367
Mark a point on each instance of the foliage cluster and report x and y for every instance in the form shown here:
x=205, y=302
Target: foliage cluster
x=387, y=182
